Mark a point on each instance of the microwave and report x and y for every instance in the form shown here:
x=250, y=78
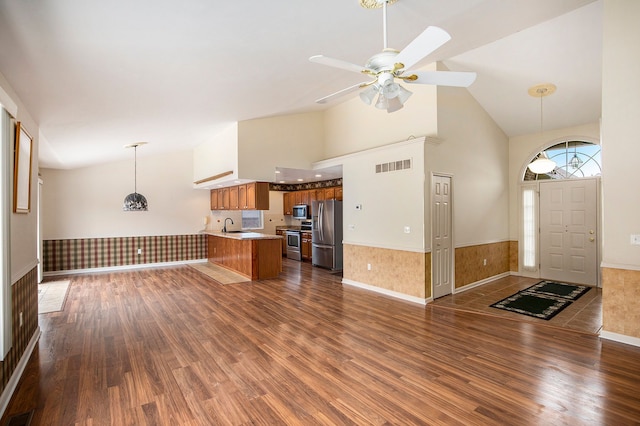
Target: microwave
x=301, y=211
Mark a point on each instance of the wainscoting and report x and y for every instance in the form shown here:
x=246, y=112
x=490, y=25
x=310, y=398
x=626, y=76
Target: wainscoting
x=409, y=273
x=24, y=296
x=470, y=267
x=86, y=253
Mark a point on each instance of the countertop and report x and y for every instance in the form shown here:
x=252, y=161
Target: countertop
x=243, y=235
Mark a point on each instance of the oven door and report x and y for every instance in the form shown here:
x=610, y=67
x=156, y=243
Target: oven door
x=294, y=242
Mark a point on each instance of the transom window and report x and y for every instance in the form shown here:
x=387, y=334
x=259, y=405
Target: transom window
x=574, y=159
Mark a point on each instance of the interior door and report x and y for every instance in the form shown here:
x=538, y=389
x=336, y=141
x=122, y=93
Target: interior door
x=441, y=246
x=568, y=231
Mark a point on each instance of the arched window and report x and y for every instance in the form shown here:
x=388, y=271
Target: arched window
x=574, y=159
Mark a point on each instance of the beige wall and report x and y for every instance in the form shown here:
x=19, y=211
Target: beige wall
x=23, y=226
x=291, y=141
x=620, y=185
x=87, y=202
x=217, y=156
x=474, y=150
x=354, y=126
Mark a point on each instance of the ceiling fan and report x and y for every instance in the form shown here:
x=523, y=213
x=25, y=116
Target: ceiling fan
x=387, y=66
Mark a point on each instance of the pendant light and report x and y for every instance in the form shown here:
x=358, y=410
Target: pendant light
x=135, y=202
x=542, y=164
x=575, y=161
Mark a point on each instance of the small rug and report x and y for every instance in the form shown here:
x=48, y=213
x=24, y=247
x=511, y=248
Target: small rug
x=52, y=295
x=543, y=300
x=218, y=273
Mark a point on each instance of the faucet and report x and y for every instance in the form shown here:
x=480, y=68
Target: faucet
x=224, y=228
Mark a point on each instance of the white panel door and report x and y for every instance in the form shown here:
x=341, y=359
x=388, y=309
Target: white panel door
x=441, y=247
x=568, y=231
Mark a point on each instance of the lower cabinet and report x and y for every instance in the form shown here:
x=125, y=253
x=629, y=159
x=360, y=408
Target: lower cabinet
x=305, y=248
x=256, y=259
x=283, y=241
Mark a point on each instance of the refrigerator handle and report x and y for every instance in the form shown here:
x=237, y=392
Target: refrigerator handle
x=320, y=221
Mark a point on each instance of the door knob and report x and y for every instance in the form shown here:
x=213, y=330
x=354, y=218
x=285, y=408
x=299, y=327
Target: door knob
x=592, y=239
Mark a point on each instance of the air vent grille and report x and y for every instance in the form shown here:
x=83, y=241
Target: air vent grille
x=393, y=166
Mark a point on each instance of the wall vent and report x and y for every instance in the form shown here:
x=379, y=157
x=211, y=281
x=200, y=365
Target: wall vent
x=393, y=166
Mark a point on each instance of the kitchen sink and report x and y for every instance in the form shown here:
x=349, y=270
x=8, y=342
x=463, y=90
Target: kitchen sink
x=235, y=232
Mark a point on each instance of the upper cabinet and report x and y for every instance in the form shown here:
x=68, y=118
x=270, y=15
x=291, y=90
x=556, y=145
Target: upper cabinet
x=308, y=196
x=249, y=196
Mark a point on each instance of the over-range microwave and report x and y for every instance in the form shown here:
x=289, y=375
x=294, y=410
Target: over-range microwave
x=301, y=211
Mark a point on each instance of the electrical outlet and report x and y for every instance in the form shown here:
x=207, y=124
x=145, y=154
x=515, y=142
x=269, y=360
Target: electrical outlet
x=368, y=266
x=407, y=229
x=21, y=320
x=484, y=262
x=139, y=251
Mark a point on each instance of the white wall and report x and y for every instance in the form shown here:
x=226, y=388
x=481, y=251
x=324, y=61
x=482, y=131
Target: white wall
x=218, y=155
x=87, y=202
x=390, y=201
x=620, y=147
x=475, y=151
x=291, y=141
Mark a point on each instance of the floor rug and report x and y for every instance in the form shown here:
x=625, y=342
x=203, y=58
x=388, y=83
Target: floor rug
x=218, y=273
x=543, y=300
x=52, y=295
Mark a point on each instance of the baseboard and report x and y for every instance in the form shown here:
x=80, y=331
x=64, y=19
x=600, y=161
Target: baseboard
x=629, y=340
x=481, y=282
x=121, y=268
x=12, y=384
x=386, y=292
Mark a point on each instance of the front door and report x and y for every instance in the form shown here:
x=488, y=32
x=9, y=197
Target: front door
x=568, y=231
x=441, y=251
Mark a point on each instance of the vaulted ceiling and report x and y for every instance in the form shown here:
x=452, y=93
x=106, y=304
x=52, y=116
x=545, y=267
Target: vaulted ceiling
x=99, y=75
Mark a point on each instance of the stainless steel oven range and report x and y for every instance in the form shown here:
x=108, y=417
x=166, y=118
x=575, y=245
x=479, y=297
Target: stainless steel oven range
x=294, y=242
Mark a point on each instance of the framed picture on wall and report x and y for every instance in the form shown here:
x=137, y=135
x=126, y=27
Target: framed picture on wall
x=22, y=171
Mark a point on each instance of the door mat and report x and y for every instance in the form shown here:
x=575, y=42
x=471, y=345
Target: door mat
x=543, y=300
x=52, y=295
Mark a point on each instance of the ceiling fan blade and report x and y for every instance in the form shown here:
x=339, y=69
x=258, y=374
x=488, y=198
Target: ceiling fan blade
x=430, y=39
x=343, y=92
x=336, y=63
x=441, y=78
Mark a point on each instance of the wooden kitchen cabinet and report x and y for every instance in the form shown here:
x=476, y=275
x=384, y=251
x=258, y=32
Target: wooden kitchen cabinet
x=305, y=246
x=290, y=199
x=256, y=259
x=257, y=196
x=223, y=198
x=338, y=193
x=233, y=198
x=329, y=193
x=249, y=196
x=282, y=233
x=214, y=199
x=287, y=203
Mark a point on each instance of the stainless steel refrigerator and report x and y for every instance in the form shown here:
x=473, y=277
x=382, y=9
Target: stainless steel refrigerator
x=326, y=234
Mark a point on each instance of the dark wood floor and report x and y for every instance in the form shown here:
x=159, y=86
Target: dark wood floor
x=172, y=347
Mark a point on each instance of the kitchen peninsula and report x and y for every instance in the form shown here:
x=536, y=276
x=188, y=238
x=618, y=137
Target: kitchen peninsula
x=251, y=254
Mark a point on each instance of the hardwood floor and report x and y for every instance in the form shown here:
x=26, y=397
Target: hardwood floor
x=170, y=346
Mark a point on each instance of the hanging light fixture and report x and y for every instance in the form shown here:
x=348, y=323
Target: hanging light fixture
x=542, y=164
x=135, y=202
x=575, y=161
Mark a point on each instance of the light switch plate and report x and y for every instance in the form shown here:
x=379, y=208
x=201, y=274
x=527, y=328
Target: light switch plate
x=407, y=230
x=635, y=240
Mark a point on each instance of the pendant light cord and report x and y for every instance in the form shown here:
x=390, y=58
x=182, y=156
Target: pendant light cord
x=135, y=169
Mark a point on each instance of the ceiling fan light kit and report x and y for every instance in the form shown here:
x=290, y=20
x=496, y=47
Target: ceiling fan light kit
x=387, y=66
